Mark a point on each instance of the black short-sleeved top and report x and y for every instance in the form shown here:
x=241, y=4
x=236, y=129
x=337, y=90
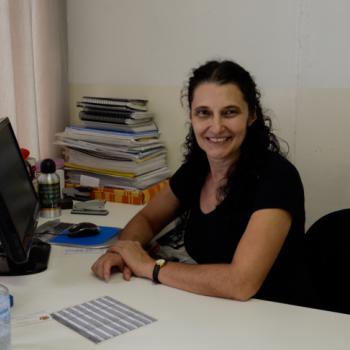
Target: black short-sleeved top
x=213, y=237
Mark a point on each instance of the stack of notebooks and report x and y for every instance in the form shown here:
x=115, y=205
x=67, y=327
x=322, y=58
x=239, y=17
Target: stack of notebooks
x=130, y=115
x=117, y=148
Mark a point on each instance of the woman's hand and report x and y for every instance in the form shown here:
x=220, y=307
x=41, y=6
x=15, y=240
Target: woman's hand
x=128, y=257
x=104, y=264
x=134, y=257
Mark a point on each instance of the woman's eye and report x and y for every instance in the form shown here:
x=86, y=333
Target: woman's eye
x=231, y=112
x=202, y=113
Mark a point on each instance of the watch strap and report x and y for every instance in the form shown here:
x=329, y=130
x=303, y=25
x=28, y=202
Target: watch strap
x=155, y=274
x=158, y=265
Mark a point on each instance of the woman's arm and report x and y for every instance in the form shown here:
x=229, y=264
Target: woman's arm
x=160, y=211
x=241, y=279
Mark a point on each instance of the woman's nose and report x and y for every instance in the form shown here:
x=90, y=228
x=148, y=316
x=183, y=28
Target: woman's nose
x=217, y=124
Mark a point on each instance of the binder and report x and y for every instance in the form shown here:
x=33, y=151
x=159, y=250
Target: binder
x=141, y=127
x=141, y=182
x=115, y=118
x=130, y=168
x=113, y=103
x=80, y=131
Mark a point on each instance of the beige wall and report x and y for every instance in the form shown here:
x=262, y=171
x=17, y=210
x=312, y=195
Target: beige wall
x=297, y=50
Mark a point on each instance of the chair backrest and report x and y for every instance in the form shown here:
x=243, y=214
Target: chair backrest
x=328, y=254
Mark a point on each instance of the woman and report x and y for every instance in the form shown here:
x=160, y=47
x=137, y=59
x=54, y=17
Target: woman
x=244, y=202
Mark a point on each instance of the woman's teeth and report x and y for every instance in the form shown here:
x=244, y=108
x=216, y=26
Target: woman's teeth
x=217, y=139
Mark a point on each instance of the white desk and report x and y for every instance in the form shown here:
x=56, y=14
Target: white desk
x=184, y=320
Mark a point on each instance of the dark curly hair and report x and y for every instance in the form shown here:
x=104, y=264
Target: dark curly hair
x=259, y=138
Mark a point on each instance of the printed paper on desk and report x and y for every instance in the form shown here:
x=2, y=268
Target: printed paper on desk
x=102, y=318
x=89, y=181
x=86, y=251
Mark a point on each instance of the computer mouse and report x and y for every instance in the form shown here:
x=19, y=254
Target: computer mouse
x=83, y=229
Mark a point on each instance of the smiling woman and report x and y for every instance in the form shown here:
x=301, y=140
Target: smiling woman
x=242, y=199
x=220, y=118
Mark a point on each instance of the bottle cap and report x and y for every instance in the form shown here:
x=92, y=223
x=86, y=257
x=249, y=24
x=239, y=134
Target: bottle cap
x=48, y=166
x=58, y=161
x=25, y=153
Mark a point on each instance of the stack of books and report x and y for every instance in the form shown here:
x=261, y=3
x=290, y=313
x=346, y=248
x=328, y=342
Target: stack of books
x=117, y=149
x=129, y=115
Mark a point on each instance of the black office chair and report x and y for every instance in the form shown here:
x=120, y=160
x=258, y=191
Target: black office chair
x=328, y=253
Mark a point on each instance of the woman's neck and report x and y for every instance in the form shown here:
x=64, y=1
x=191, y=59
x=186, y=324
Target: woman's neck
x=211, y=195
x=219, y=170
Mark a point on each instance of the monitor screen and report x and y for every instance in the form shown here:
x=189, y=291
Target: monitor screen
x=19, y=205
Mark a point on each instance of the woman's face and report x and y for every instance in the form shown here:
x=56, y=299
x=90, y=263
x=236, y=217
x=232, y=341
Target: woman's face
x=220, y=117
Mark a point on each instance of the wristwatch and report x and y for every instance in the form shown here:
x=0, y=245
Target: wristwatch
x=158, y=265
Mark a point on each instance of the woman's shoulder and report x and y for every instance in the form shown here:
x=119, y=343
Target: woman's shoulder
x=187, y=180
x=278, y=163
x=190, y=169
x=280, y=175
x=279, y=185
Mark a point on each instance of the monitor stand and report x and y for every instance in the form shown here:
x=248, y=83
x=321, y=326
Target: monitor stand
x=37, y=262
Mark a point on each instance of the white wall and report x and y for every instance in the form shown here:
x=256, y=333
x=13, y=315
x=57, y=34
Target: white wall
x=297, y=50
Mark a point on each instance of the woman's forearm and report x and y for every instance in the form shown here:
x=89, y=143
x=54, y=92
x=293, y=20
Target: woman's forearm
x=158, y=213
x=138, y=229
x=217, y=280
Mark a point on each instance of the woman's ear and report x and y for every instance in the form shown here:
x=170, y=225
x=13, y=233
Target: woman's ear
x=252, y=119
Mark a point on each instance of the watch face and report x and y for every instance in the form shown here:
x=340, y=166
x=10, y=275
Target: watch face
x=160, y=262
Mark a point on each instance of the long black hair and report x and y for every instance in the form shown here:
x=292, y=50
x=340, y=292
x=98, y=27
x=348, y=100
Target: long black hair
x=259, y=138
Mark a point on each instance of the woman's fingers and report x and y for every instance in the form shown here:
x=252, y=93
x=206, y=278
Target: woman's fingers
x=128, y=257
x=127, y=273
x=135, y=257
x=104, y=264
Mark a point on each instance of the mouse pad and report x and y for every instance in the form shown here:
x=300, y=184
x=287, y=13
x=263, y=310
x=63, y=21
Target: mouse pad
x=99, y=240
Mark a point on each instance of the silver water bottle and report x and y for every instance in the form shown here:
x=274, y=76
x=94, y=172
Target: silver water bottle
x=49, y=190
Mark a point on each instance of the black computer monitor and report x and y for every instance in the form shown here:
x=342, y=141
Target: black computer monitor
x=19, y=210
